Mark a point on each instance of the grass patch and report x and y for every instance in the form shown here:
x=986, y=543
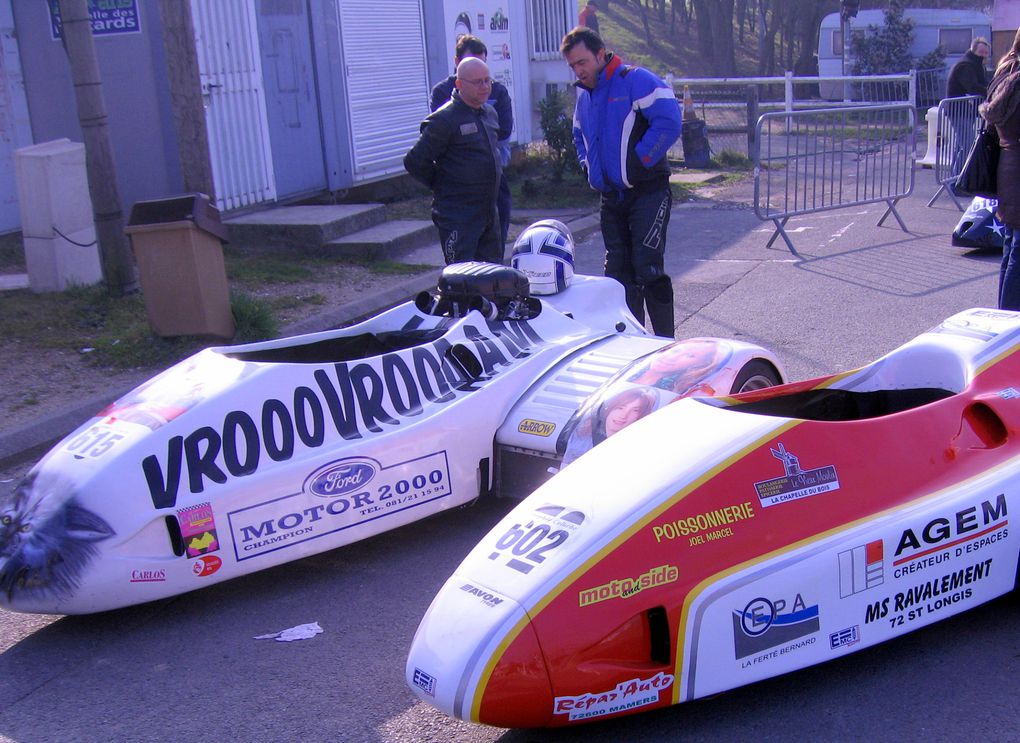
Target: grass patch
x=253, y=318
x=732, y=160
x=265, y=267
x=114, y=331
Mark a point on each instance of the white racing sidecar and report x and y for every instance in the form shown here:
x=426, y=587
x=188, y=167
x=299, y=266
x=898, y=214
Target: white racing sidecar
x=241, y=458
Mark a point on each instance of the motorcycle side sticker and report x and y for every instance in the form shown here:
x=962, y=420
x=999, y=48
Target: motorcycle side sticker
x=765, y=624
x=627, y=695
x=198, y=529
x=797, y=483
x=293, y=519
x=349, y=401
x=861, y=568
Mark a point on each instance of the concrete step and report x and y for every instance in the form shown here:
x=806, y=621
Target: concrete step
x=387, y=241
x=303, y=226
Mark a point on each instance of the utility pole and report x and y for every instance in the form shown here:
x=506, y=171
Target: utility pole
x=114, y=251
x=186, y=96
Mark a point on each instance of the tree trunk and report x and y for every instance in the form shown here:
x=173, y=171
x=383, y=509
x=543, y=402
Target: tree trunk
x=186, y=96
x=118, y=266
x=644, y=22
x=722, y=37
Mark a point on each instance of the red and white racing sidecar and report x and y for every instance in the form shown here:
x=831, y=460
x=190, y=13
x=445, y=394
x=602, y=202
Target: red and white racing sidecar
x=723, y=541
x=241, y=458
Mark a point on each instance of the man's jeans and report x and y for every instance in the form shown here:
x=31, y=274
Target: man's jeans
x=1009, y=272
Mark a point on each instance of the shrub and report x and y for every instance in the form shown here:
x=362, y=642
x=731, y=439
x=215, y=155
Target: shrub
x=253, y=319
x=557, y=124
x=885, y=49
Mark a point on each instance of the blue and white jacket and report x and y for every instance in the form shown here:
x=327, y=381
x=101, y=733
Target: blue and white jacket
x=623, y=128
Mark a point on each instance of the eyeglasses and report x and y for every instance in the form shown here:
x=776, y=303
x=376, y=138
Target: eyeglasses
x=481, y=82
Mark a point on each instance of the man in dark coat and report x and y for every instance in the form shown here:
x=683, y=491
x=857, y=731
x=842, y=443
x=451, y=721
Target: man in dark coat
x=499, y=99
x=968, y=75
x=457, y=157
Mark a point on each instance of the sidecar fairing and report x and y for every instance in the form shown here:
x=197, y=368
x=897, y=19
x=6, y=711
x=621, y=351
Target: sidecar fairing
x=722, y=541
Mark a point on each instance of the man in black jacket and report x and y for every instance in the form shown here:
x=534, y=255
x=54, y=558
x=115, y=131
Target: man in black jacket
x=968, y=75
x=457, y=157
x=499, y=99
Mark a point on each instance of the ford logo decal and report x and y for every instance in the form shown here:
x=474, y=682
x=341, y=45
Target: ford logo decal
x=342, y=477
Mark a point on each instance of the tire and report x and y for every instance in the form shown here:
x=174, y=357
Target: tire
x=755, y=375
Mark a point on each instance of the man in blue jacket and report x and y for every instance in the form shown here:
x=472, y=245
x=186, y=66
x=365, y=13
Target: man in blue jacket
x=499, y=99
x=625, y=120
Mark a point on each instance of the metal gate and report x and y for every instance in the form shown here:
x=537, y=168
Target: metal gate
x=830, y=158
x=956, y=129
x=226, y=40
x=385, y=112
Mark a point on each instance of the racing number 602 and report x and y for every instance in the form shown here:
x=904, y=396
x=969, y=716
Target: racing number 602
x=530, y=543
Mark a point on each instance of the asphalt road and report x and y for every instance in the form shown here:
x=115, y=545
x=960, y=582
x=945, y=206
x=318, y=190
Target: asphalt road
x=189, y=669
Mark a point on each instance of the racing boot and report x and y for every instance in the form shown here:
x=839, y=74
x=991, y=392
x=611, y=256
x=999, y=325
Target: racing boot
x=659, y=300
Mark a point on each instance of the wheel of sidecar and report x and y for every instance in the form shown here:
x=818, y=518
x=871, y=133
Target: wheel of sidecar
x=755, y=375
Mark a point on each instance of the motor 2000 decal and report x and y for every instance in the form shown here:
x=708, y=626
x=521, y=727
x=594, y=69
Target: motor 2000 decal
x=338, y=496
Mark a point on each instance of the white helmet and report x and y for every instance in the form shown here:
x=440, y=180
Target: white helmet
x=544, y=251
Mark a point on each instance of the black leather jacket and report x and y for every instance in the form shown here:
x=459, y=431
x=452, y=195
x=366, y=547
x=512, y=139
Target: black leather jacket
x=456, y=154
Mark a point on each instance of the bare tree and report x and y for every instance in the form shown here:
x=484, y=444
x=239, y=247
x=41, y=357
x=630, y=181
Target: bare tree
x=715, y=35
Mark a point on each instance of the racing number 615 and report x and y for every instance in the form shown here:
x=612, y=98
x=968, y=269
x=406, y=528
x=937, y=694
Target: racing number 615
x=529, y=543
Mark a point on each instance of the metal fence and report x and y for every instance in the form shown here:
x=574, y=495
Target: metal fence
x=955, y=130
x=730, y=106
x=816, y=160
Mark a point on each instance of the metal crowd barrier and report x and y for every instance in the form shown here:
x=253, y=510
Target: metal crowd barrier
x=831, y=158
x=955, y=131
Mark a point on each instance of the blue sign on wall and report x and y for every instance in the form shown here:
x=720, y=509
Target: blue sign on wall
x=108, y=17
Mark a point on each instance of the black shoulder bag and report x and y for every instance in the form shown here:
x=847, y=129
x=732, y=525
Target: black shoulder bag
x=978, y=176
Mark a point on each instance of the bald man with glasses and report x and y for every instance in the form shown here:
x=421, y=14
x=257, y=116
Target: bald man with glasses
x=457, y=157
x=499, y=99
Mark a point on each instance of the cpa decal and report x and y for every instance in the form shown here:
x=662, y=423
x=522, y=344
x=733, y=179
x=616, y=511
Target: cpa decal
x=797, y=482
x=767, y=628
x=206, y=565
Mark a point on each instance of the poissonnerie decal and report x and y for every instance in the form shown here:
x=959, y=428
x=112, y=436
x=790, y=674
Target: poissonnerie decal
x=354, y=401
